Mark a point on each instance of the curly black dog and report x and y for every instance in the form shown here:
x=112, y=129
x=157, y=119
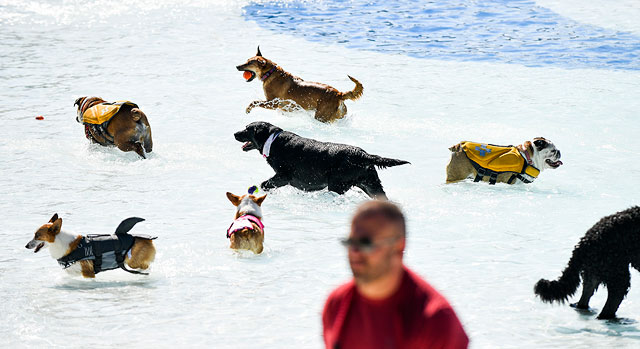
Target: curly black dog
x=311, y=165
x=602, y=256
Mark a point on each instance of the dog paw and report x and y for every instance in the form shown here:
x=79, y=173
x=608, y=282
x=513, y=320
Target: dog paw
x=577, y=306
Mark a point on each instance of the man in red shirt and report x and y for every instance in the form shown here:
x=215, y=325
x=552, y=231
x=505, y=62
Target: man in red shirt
x=386, y=305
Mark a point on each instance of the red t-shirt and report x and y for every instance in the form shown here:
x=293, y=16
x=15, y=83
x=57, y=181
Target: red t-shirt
x=416, y=316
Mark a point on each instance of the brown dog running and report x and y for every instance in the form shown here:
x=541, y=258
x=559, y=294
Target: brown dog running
x=281, y=88
x=128, y=129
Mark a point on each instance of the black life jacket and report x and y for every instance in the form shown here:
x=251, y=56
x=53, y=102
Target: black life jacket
x=107, y=251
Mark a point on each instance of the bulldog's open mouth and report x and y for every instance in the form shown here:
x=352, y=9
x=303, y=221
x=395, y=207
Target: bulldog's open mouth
x=554, y=164
x=40, y=245
x=248, y=146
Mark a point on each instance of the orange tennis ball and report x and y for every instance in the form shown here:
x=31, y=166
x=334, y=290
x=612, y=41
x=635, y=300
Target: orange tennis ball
x=246, y=75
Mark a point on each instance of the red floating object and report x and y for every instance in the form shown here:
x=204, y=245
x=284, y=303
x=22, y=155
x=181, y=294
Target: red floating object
x=39, y=117
x=247, y=75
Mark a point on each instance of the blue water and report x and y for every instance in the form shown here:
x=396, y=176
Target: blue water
x=514, y=31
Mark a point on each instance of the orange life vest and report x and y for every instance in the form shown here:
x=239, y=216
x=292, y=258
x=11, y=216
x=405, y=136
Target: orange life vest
x=491, y=160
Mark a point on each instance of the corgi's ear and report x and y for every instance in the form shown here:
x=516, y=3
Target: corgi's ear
x=261, y=199
x=56, y=226
x=78, y=101
x=259, y=54
x=235, y=199
x=54, y=218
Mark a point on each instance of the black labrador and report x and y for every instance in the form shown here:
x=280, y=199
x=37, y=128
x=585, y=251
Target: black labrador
x=311, y=165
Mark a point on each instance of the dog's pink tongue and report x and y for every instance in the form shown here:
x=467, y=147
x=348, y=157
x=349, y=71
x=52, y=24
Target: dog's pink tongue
x=246, y=145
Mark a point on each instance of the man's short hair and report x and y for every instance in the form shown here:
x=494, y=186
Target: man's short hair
x=384, y=209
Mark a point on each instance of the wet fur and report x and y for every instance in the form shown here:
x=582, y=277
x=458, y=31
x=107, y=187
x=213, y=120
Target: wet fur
x=247, y=239
x=281, y=87
x=129, y=127
x=143, y=251
x=311, y=165
x=460, y=167
x=602, y=257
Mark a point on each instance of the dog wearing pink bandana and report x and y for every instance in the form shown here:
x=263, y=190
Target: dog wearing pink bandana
x=247, y=231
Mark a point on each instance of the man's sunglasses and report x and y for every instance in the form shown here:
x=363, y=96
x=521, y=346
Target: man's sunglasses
x=365, y=244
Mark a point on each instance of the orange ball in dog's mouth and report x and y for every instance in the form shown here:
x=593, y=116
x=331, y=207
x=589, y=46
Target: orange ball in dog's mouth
x=247, y=75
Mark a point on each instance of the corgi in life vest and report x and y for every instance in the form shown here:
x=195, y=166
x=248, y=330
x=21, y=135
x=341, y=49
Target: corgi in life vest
x=121, y=124
x=502, y=164
x=247, y=231
x=92, y=254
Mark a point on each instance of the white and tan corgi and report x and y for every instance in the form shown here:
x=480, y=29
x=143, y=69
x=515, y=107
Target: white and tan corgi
x=247, y=231
x=91, y=254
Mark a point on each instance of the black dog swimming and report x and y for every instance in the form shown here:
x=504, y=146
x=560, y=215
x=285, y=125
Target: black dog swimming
x=311, y=165
x=602, y=256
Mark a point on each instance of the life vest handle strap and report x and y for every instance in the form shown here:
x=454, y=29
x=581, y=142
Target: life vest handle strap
x=97, y=262
x=132, y=271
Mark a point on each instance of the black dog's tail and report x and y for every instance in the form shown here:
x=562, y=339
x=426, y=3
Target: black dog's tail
x=383, y=163
x=560, y=290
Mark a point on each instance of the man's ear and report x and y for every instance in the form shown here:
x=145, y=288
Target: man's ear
x=56, y=226
x=54, y=218
x=402, y=244
x=261, y=199
x=235, y=199
x=259, y=54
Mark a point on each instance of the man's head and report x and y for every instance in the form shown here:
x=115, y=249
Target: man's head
x=376, y=242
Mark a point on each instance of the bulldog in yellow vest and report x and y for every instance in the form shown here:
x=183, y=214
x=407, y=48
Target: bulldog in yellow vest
x=503, y=164
x=121, y=124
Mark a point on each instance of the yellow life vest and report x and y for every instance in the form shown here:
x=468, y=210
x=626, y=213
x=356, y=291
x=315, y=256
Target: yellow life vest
x=101, y=113
x=490, y=160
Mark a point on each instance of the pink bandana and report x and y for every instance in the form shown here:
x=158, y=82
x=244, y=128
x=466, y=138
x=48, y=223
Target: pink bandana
x=244, y=222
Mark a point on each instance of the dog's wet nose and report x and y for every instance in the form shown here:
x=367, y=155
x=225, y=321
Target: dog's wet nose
x=26, y=246
x=239, y=67
x=559, y=155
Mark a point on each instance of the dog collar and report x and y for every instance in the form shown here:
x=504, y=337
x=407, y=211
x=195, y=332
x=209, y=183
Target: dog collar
x=268, y=74
x=526, y=155
x=266, y=149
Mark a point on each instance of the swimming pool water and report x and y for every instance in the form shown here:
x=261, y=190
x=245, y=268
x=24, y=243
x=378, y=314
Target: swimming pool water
x=482, y=246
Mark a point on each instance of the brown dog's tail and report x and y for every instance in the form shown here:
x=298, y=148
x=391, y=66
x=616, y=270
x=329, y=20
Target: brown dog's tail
x=356, y=92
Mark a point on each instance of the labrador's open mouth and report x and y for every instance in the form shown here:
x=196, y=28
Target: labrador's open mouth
x=248, y=146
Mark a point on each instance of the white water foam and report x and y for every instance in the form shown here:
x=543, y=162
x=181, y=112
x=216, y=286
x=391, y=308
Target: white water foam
x=483, y=246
